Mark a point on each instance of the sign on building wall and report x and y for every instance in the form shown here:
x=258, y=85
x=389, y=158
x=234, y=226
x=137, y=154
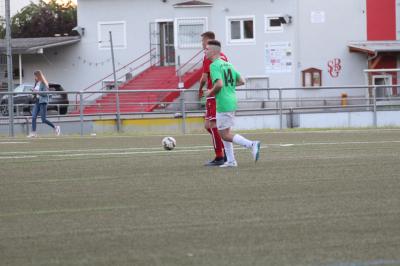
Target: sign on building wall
x=334, y=67
x=278, y=57
x=317, y=17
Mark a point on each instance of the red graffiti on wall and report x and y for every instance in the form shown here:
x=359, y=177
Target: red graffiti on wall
x=334, y=67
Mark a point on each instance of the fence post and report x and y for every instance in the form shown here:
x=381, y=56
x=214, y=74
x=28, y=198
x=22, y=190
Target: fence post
x=10, y=80
x=116, y=87
x=280, y=110
x=183, y=107
x=374, y=102
x=81, y=111
x=179, y=69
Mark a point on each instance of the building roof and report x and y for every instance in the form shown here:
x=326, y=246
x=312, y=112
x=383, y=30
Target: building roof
x=194, y=3
x=374, y=47
x=36, y=45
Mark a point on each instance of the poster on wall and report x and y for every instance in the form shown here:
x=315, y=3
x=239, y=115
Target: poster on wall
x=317, y=17
x=278, y=57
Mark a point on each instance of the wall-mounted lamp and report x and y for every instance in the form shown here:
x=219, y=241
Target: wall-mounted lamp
x=286, y=19
x=79, y=30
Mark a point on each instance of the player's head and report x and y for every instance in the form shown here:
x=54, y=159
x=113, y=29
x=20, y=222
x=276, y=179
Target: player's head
x=207, y=36
x=213, y=49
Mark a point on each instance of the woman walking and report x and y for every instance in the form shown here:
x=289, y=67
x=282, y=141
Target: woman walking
x=40, y=107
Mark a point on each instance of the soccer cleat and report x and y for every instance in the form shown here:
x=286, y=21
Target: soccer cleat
x=255, y=150
x=215, y=162
x=32, y=135
x=57, y=130
x=229, y=164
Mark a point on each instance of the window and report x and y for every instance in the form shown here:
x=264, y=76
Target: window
x=273, y=23
x=189, y=31
x=118, y=29
x=241, y=29
x=15, y=73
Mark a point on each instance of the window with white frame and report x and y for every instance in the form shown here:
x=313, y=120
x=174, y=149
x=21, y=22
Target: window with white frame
x=241, y=29
x=118, y=30
x=273, y=23
x=189, y=31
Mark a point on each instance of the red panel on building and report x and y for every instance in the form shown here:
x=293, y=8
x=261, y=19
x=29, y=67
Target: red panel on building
x=381, y=20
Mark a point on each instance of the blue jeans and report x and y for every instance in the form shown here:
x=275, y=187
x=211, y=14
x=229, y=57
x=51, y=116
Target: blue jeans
x=42, y=109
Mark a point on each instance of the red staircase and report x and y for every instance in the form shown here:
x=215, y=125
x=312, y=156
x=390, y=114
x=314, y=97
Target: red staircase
x=154, y=78
x=150, y=80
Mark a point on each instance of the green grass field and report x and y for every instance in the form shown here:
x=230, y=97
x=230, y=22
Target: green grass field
x=315, y=198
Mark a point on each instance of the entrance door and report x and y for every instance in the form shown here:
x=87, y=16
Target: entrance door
x=167, y=49
x=383, y=92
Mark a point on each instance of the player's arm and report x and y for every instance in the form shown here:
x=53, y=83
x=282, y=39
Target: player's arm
x=239, y=81
x=216, y=88
x=216, y=77
x=203, y=81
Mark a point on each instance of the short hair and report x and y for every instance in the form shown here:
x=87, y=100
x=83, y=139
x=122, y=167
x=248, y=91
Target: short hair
x=214, y=42
x=209, y=35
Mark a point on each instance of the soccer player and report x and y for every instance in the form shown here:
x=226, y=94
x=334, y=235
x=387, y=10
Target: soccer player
x=225, y=79
x=210, y=115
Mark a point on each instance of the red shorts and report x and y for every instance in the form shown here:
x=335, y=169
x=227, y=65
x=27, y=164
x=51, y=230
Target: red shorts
x=211, y=109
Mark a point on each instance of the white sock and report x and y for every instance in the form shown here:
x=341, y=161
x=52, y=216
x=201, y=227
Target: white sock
x=228, y=146
x=240, y=140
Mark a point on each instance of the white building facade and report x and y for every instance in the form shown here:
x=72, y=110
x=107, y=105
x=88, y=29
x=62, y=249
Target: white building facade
x=277, y=40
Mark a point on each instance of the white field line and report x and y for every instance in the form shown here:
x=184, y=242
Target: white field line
x=17, y=157
x=95, y=150
x=122, y=153
x=207, y=147
x=130, y=153
x=343, y=143
x=206, y=134
x=14, y=142
x=158, y=150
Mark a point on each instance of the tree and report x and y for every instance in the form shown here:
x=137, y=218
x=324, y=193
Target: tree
x=44, y=20
x=2, y=28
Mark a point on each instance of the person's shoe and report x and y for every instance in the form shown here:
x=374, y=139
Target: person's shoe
x=255, y=150
x=229, y=164
x=215, y=162
x=57, y=130
x=32, y=135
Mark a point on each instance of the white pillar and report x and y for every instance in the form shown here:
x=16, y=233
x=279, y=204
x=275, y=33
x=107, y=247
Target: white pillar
x=20, y=68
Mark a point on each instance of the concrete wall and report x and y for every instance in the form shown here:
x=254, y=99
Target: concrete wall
x=162, y=125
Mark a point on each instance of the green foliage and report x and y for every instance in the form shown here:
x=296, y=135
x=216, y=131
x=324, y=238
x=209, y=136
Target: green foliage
x=2, y=28
x=43, y=20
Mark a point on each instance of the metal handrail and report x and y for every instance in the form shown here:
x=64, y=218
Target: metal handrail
x=179, y=69
x=193, y=66
x=281, y=108
x=135, y=60
x=119, y=69
x=238, y=89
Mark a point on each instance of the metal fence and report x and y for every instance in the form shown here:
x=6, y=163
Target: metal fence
x=274, y=101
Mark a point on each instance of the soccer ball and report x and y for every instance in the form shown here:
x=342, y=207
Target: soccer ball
x=168, y=143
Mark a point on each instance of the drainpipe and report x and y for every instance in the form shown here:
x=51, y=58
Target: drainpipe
x=297, y=44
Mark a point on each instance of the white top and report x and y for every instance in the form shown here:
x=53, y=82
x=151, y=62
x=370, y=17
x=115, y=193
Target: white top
x=37, y=87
